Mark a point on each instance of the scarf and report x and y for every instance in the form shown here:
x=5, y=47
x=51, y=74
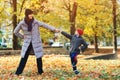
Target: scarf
x=29, y=23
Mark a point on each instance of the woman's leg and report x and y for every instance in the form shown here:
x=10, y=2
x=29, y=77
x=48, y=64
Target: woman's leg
x=23, y=61
x=39, y=65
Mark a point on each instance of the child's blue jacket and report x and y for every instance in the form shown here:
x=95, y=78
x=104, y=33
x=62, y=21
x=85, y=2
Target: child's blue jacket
x=77, y=43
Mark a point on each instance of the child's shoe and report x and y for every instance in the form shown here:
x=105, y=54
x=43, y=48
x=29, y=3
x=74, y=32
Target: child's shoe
x=76, y=72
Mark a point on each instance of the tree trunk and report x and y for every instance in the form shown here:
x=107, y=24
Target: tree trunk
x=72, y=15
x=95, y=36
x=15, y=41
x=96, y=44
x=114, y=28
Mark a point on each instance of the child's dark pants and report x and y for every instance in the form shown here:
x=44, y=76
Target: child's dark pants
x=24, y=60
x=73, y=57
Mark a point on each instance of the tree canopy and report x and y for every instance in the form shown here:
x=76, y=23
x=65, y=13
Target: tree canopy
x=94, y=16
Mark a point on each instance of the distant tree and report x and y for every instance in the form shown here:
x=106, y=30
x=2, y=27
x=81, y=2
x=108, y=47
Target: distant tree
x=95, y=19
x=71, y=7
x=114, y=28
x=15, y=40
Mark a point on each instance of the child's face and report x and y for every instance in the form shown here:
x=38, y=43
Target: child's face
x=76, y=33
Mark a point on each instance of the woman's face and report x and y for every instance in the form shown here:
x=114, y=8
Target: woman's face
x=30, y=16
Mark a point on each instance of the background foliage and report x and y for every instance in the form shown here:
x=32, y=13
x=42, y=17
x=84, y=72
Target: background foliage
x=93, y=17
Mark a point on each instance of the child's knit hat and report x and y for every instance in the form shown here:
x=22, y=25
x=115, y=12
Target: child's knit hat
x=80, y=31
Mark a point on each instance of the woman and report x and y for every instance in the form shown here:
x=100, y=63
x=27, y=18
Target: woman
x=32, y=40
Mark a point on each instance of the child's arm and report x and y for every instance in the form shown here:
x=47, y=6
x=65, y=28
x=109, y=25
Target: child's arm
x=66, y=35
x=84, y=47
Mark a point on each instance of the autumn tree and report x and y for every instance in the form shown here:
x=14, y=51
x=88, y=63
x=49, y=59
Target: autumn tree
x=114, y=28
x=72, y=9
x=15, y=42
x=95, y=32
x=95, y=18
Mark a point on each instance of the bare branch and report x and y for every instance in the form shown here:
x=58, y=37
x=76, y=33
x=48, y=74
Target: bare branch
x=23, y=2
x=67, y=6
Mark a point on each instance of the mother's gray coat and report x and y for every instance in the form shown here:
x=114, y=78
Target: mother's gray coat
x=33, y=36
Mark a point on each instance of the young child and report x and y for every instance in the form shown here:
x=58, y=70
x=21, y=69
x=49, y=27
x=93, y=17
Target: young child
x=77, y=45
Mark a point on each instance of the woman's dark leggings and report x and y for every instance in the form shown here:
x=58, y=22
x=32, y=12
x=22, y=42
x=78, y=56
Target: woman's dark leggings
x=24, y=60
x=73, y=57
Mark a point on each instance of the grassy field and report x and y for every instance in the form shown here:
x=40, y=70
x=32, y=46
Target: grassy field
x=58, y=67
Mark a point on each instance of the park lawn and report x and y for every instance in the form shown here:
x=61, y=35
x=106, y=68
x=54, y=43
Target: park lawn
x=57, y=67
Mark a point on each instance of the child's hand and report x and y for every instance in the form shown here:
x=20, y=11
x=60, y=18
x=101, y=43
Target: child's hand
x=57, y=30
x=81, y=52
